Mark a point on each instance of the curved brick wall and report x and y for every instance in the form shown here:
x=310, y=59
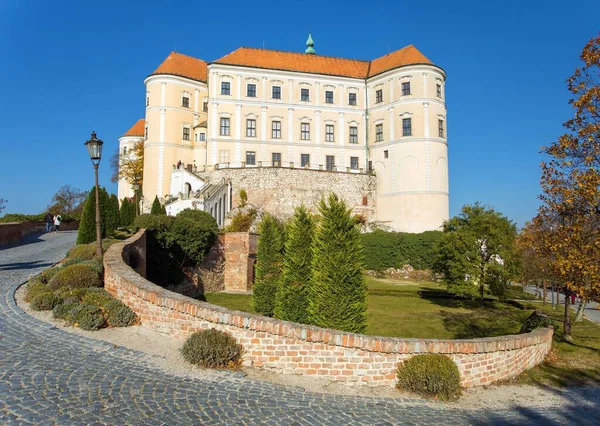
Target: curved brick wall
x=291, y=348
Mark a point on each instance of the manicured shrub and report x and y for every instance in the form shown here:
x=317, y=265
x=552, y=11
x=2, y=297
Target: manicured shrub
x=64, y=309
x=44, y=302
x=96, y=296
x=269, y=262
x=87, y=317
x=212, y=349
x=112, y=214
x=127, y=212
x=76, y=276
x=82, y=252
x=431, y=375
x=291, y=303
x=87, y=225
x=537, y=319
x=47, y=274
x=337, y=291
x=156, y=207
x=201, y=217
x=74, y=293
x=192, y=239
x=119, y=314
x=35, y=288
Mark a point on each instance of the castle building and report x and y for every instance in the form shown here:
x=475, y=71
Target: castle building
x=289, y=127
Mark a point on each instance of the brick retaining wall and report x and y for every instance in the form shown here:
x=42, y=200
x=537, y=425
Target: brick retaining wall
x=290, y=348
x=13, y=232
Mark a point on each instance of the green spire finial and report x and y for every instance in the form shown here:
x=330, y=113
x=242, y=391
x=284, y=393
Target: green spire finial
x=310, y=44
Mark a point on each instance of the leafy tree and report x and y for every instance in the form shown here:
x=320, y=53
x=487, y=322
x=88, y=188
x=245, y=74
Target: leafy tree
x=130, y=166
x=477, y=250
x=337, y=290
x=127, y=212
x=243, y=197
x=571, y=186
x=156, y=207
x=68, y=200
x=291, y=303
x=269, y=261
x=87, y=225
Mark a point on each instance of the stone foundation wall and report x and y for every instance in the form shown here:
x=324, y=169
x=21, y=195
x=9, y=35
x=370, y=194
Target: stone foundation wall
x=290, y=348
x=12, y=233
x=279, y=190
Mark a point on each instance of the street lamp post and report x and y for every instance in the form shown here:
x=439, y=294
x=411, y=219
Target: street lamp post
x=94, y=146
x=136, y=188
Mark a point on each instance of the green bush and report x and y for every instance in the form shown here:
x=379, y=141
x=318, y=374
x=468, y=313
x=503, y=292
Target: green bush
x=243, y=197
x=47, y=275
x=97, y=297
x=44, y=302
x=241, y=221
x=192, y=239
x=127, y=212
x=64, y=309
x=156, y=207
x=385, y=250
x=269, y=263
x=537, y=319
x=87, y=225
x=119, y=314
x=35, y=288
x=212, y=349
x=19, y=217
x=75, y=276
x=74, y=293
x=201, y=217
x=431, y=375
x=112, y=214
x=82, y=252
x=87, y=317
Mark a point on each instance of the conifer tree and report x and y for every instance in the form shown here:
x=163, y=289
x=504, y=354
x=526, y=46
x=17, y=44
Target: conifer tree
x=156, y=208
x=87, y=225
x=291, y=303
x=269, y=261
x=337, y=290
x=127, y=213
x=112, y=214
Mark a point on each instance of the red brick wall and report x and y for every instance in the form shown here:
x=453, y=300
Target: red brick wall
x=291, y=348
x=11, y=233
x=240, y=253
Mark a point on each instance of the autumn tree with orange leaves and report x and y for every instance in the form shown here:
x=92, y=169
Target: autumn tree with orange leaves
x=571, y=187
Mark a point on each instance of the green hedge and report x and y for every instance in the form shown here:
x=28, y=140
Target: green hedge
x=385, y=250
x=431, y=375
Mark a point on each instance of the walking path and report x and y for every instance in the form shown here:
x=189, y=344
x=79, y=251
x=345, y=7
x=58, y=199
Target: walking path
x=590, y=312
x=49, y=376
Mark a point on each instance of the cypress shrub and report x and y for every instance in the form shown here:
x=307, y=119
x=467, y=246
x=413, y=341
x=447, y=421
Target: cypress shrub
x=291, y=303
x=337, y=291
x=127, y=212
x=156, y=207
x=112, y=218
x=430, y=375
x=269, y=262
x=212, y=348
x=87, y=225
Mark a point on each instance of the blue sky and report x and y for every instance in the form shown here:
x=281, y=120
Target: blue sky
x=69, y=67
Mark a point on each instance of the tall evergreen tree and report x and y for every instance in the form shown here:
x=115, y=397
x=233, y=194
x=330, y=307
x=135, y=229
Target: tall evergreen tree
x=112, y=214
x=87, y=225
x=337, y=291
x=156, y=208
x=291, y=303
x=127, y=212
x=269, y=261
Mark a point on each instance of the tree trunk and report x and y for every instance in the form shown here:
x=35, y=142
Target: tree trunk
x=543, y=292
x=580, y=310
x=567, y=322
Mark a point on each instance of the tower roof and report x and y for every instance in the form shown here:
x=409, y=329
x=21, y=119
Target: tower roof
x=405, y=56
x=183, y=66
x=138, y=129
x=310, y=44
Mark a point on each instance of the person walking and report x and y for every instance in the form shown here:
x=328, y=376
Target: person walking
x=49, y=219
x=57, y=220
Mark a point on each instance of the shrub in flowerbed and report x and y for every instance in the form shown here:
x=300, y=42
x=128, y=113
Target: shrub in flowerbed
x=76, y=276
x=82, y=252
x=35, y=288
x=47, y=275
x=537, y=319
x=430, y=375
x=45, y=301
x=87, y=317
x=96, y=296
x=119, y=314
x=63, y=310
x=213, y=349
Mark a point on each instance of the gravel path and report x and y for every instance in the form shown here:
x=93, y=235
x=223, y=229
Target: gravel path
x=49, y=376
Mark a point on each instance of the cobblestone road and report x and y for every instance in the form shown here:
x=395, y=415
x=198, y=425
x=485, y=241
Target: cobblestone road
x=48, y=377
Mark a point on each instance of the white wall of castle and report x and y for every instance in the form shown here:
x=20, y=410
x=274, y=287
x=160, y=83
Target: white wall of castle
x=411, y=170
x=126, y=144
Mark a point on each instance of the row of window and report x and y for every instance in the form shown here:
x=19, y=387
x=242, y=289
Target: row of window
x=406, y=129
x=276, y=160
x=405, y=91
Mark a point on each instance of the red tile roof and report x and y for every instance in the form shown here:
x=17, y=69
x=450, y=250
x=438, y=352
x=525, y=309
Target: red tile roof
x=183, y=66
x=138, y=129
x=317, y=64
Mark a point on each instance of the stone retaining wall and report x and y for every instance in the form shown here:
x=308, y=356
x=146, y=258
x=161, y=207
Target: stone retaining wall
x=11, y=233
x=291, y=348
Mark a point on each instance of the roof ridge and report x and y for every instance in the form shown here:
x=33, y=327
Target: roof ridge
x=297, y=53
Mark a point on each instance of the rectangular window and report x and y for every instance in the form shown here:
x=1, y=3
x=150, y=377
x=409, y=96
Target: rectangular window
x=406, y=88
x=276, y=92
x=329, y=133
x=441, y=128
x=202, y=137
x=304, y=95
x=146, y=133
x=225, y=88
x=379, y=96
x=438, y=89
x=250, y=158
x=352, y=98
x=329, y=162
x=147, y=100
x=251, y=128
x=406, y=127
x=186, y=133
x=276, y=159
x=386, y=154
x=378, y=132
x=185, y=102
x=205, y=106
x=224, y=156
x=354, y=163
x=328, y=97
x=276, y=129
x=224, y=126
x=304, y=160
x=251, y=90
x=353, y=134
x=305, y=131
x=124, y=150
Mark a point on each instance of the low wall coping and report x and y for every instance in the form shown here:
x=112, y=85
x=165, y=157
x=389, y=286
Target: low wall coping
x=132, y=282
